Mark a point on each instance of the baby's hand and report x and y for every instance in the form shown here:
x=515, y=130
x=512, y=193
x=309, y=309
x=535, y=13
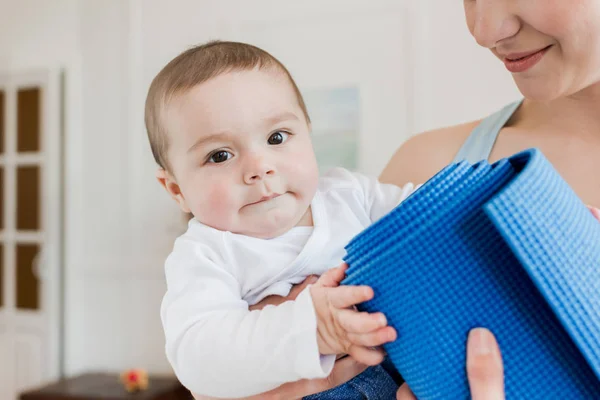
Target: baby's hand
x=341, y=329
x=333, y=277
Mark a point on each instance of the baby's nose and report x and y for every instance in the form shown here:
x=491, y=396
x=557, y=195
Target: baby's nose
x=258, y=169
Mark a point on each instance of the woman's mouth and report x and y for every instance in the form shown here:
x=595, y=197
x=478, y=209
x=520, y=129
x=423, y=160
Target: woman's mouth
x=521, y=62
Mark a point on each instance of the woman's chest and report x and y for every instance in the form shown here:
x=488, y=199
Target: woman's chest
x=576, y=159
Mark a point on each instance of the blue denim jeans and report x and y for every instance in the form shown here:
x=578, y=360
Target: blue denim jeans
x=373, y=384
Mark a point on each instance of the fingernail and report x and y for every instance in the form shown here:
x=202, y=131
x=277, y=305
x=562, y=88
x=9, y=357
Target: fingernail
x=480, y=342
x=313, y=279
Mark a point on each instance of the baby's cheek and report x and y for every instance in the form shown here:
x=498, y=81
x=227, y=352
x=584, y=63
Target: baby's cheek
x=218, y=203
x=303, y=172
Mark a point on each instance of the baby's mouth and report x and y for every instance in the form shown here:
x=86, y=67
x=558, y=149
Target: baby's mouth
x=266, y=198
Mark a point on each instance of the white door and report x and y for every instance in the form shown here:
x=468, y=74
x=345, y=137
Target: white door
x=30, y=216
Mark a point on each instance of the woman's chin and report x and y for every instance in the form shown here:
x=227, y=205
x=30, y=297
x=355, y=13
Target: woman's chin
x=537, y=90
x=544, y=89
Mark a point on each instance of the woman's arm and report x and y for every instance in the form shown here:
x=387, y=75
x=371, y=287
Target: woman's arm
x=344, y=370
x=423, y=155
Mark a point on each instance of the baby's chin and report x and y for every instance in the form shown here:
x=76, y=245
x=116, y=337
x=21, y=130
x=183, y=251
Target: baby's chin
x=271, y=225
x=270, y=230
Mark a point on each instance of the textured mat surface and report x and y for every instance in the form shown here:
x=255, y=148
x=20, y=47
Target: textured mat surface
x=507, y=246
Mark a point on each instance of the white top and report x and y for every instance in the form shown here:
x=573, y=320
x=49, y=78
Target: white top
x=218, y=347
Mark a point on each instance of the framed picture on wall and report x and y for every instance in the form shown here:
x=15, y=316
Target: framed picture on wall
x=335, y=117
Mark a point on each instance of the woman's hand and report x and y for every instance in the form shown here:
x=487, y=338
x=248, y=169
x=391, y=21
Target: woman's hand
x=484, y=368
x=343, y=370
x=274, y=300
x=595, y=212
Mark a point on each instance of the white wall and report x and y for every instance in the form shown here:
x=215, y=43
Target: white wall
x=458, y=81
x=38, y=35
x=34, y=33
x=414, y=61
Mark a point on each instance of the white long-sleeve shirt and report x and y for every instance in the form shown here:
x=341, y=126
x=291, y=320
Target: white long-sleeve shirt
x=216, y=346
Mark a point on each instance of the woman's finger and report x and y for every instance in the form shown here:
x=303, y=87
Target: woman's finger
x=275, y=300
x=272, y=300
x=595, y=212
x=404, y=393
x=484, y=366
x=297, y=289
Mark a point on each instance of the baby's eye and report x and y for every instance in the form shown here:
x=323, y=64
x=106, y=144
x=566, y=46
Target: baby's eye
x=219, y=157
x=278, y=137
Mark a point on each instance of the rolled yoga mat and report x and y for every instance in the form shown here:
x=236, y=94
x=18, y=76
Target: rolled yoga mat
x=506, y=246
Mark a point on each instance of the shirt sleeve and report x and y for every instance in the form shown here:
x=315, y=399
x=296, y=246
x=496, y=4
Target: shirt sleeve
x=218, y=347
x=381, y=198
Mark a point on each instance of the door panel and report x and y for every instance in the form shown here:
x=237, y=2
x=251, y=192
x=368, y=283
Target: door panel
x=29, y=311
x=29, y=356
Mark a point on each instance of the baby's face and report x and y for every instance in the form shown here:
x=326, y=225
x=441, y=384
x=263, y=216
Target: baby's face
x=240, y=151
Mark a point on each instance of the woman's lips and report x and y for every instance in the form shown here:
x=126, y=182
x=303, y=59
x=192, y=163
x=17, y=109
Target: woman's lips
x=521, y=62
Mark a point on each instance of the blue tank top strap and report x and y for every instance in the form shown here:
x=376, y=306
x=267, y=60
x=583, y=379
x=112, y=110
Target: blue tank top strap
x=480, y=142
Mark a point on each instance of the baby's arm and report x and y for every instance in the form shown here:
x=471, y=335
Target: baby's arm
x=381, y=198
x=218, y=347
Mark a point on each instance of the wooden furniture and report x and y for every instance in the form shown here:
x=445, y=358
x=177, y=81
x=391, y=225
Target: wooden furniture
x=101, y=386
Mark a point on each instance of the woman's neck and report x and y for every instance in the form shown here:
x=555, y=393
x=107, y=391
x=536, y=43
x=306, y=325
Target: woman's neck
x=577, y=114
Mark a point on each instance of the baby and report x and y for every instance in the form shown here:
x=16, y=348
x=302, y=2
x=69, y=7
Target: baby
x=230, y=131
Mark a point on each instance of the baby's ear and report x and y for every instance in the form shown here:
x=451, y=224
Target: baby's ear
x=167, y=180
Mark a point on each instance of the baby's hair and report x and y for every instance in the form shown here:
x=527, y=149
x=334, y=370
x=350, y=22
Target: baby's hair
x=193, y=67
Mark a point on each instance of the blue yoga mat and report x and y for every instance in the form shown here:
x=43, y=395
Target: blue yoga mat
x=507, y=246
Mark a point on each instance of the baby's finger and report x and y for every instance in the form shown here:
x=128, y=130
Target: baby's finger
x=366, y=355
x=372, y=339
x=360, y=322
x=347, y=296
x=333, y=277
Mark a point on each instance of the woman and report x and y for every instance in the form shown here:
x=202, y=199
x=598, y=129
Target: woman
x=552, y=50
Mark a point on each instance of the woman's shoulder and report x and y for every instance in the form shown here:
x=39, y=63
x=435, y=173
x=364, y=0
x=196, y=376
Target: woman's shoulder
x=423, y=155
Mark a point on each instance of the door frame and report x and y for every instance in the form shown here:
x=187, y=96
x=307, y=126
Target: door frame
x=50, y=264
